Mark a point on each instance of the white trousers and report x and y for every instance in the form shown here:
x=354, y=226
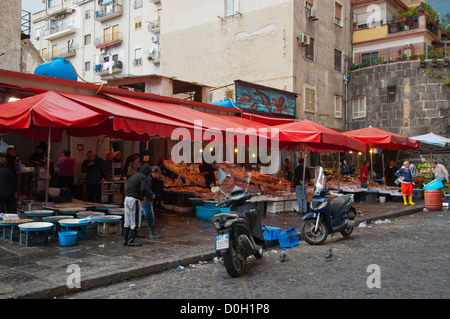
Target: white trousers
x=132, y=212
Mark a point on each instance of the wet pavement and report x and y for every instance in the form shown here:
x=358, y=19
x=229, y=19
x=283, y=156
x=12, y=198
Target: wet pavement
x=48, y=271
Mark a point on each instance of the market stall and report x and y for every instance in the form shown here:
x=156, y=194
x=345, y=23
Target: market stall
x=380, y=139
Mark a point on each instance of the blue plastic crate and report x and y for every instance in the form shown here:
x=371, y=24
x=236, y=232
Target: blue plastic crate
x=288, y=238
x=271, y=233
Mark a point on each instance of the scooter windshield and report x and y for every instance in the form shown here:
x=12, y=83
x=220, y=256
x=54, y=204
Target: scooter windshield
x=319, y=182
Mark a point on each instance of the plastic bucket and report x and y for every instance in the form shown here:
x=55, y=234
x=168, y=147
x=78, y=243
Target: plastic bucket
x=433, y=199
x=67, y=238
x=434, y=185
x=382, y=199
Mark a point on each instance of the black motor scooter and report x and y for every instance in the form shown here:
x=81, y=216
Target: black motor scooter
x=327, y=217
x=239, y=231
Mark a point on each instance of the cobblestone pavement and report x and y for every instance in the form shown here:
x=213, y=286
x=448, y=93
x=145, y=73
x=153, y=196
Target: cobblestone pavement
x=406, y=257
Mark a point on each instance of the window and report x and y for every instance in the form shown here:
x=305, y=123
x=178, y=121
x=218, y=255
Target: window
x=137, y=56
x=309, y=50
x=87, y=15
x=87, y=66
x=367, y=57
x=138, y=23
x=359, y=107
x=338, y=13
x=391, y=92
x=310, y=100
x=231, y=7
x=337, y=106
x=50, y=3
x=338, y=60
x=54, y=50
x=309, y=5
x=137, y=4
x=87, y=39
x=44, y=53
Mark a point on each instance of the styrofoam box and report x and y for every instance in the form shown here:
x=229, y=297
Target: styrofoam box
x=275, y=207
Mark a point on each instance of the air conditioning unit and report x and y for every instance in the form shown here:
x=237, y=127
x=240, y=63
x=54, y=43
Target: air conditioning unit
x=304, y=39
x=103, y=51
x=313, y=15
x=155, y=39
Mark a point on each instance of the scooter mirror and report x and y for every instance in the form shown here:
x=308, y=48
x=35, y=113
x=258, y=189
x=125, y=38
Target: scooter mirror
x=329, y=178
x=249, y=178
x=215, y=189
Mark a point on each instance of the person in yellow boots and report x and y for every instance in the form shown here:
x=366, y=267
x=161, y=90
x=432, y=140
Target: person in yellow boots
x=405, y=177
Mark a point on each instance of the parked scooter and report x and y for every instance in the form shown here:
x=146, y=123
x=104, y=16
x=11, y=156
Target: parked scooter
x=239, y=231
x=327, y=217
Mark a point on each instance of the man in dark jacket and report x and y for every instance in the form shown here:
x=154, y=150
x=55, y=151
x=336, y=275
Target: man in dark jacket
x=297, y=185
x=96, y=172
x=8, y=187
x=135, y=194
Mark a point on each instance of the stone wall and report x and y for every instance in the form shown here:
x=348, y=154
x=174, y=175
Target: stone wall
x=420, y=103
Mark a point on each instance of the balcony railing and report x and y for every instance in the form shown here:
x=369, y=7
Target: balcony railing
x=62, y=53
x=112, y=39
x=108, y=11
x=403, y=24
x=104, y=69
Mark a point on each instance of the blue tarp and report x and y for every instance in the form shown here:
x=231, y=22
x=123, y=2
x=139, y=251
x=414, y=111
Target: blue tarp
x=432, y=139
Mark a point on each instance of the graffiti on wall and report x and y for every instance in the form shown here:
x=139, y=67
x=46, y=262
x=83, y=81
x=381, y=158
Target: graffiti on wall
x=258, y=99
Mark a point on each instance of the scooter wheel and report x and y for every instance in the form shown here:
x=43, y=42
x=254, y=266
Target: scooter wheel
x=234, y=265
x=314, y=236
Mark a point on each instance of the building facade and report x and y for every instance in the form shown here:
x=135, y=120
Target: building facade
x=299, y=46
x=101, y=38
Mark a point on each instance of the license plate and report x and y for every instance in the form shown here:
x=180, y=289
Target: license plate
x=222, y=242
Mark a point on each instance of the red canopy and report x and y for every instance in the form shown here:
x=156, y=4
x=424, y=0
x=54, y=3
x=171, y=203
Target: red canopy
x=187, y=115
x=47, y=110
x=130, y=120
x=318, y=137
x=374, y=137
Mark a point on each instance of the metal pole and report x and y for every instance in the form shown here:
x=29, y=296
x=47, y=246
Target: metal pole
x=47, y=177
x=339, y=171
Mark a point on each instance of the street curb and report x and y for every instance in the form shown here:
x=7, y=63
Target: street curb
x=389, y=215
x=92, y=283
x=109, y=279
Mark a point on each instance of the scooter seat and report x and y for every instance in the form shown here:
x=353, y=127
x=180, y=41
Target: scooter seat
x=338, y=203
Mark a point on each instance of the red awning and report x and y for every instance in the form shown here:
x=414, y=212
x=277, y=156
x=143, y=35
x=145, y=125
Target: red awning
x=47, y=110
x=318, y=137
x=180, y=113
x=267, y=119
x=126, y=119
x=376, y=138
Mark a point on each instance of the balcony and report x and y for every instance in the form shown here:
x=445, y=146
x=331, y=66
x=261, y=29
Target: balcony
x=108, y=11
x=403, y=24
x=63, y=53
x=58, y=30
x=115, y=39
x=104, y=69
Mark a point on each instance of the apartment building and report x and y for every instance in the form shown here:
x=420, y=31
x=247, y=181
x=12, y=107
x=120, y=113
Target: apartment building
x=101, y=38
x=299, y=46
x=380, y=34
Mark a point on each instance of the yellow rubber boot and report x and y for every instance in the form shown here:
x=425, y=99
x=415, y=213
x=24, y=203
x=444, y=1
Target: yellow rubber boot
x=405, y=200
x=410, y=200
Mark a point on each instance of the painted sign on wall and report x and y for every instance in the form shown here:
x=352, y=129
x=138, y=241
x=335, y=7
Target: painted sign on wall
x=259, y=99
